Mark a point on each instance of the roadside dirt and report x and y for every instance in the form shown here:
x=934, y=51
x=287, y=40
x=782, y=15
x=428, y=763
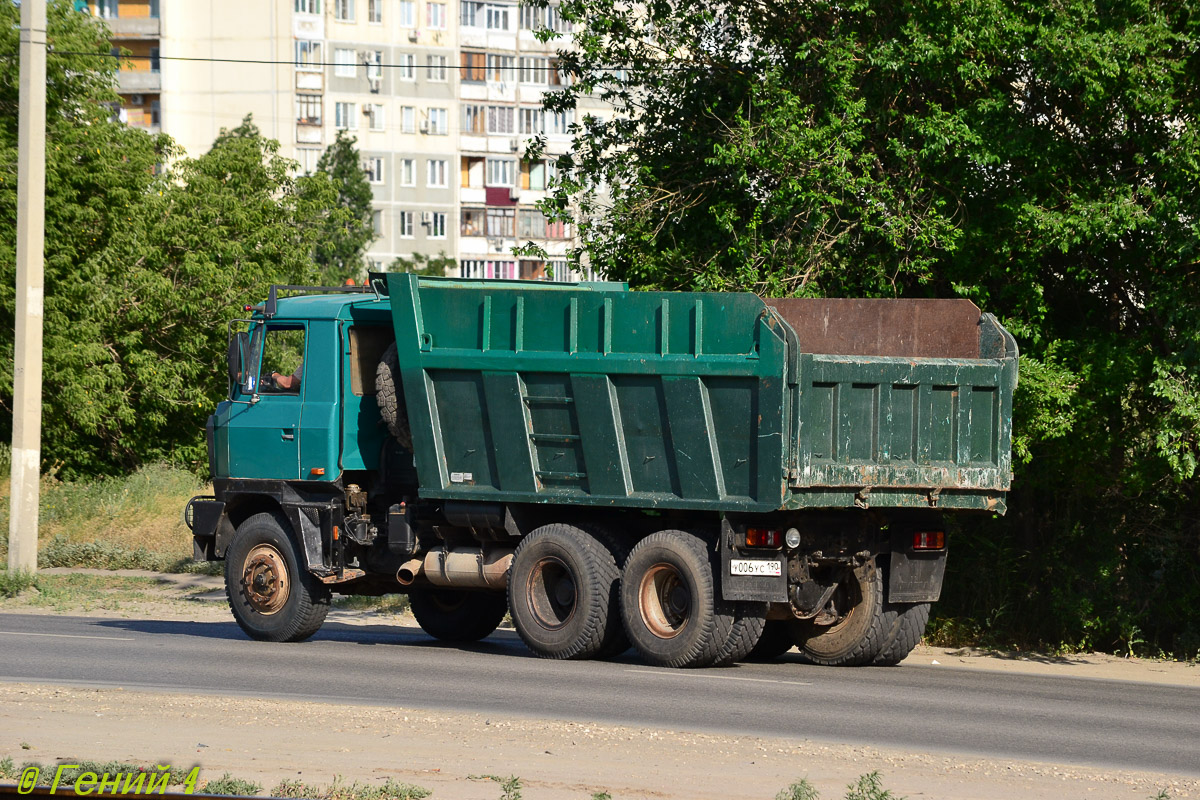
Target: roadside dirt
x=453, y=753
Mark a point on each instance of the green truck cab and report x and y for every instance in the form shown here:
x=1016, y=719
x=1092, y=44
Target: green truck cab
x=706, y=477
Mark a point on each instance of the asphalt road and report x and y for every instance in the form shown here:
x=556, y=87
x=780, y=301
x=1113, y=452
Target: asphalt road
x=924, y=709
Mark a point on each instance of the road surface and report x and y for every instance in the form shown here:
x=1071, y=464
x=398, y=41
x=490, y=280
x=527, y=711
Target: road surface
x=1111, y=724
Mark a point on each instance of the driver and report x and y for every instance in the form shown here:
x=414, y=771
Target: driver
x=289, y=383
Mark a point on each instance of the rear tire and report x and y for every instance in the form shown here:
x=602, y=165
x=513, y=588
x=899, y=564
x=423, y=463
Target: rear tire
x=455, y=615
x=272, y=597
x=562, y=589
x=749, y=619
x=871, y=631
x=669, y=604
x=390, y=397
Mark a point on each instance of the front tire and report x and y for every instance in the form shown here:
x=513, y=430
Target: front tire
x=669, y=604
x=273, y=599
x=455, y=615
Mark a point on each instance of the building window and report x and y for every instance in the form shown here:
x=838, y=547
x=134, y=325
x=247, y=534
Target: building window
x=473, y=222
x=308, y=55
x=472, y=14
x=302, y=6
x=377, y=222
x=472, y=172
x=500, y=119
x=375, y=68
x=531, y=225
x=406, y=224
x=373, y=166
x=407, y=66
x=408, y=119
x=109, y=9
x=155, y=65
x=375, y=116
x=474, y=68
x=343, y=10
x=532, y=18
x=408, y=172
x=560, y=122
x=556, y=75
x=155, y=112
x=437, y=68
x=437, y=225
x=408, y=13
x=500, y=68
x=533, y=70
x=344, y=116
x=439, y=119
x=435, y=15
x=344, y=63
x=500, y=171
x=308, y=109
x=558, y=230
x=500, y=221
x=497, y=18
x=555, y=21
x=375, y=11
x=473, y=119
x=470, y=268
x=533, y=175
x=308, y=158
x=501, y=270
x=532, y=120
x=437, y=174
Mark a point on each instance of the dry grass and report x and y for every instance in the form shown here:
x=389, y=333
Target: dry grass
x=127, y=521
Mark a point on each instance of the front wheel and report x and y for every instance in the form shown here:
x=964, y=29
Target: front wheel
x=455, y=615
x=271, y=596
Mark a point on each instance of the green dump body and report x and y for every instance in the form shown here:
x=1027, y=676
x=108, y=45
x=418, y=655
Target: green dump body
x=590, y=394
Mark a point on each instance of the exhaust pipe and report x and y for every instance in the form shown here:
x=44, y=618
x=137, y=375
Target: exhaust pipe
x=464, y=568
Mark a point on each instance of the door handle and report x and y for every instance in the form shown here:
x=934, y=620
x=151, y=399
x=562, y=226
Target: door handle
x=289, y=435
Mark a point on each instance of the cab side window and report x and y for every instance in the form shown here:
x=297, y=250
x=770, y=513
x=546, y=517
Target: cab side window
x=282, y=360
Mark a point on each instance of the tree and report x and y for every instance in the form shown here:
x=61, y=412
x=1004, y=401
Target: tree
x=348, y=227
x=421, y=264
x=1039, y=159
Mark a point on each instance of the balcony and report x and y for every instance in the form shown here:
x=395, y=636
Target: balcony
x=134, y=27
x=139, y=82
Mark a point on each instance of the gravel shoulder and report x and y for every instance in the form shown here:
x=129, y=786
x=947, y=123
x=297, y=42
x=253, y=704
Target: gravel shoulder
x=452, y=753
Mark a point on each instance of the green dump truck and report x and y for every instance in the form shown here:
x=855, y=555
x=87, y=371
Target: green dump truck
x=705, y=477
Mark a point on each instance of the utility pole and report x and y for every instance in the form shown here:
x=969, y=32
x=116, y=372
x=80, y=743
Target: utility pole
x=31, y=230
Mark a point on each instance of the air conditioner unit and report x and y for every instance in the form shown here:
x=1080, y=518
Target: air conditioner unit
x=424, y=126
x=136, y=100
x=514, y=193
x=426, y=217
x=413, y=35
x=374, y=84
x=514, y=144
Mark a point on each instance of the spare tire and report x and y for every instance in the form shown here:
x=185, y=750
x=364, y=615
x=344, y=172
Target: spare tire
x=390, y=397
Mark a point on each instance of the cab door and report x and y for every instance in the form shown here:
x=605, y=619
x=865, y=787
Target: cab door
x=264, y=430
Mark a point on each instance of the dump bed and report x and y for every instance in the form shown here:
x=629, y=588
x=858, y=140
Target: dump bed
x=591, y=394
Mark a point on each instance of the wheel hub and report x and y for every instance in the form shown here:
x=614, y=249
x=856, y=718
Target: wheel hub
x=265, y=579
x=551, y=594
x=665, y=601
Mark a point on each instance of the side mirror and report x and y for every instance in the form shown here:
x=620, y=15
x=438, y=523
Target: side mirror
x=235, y=359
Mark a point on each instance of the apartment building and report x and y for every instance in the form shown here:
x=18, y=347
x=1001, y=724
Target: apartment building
x=442, y=96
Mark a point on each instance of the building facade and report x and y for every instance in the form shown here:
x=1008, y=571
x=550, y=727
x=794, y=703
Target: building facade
x=442, y=97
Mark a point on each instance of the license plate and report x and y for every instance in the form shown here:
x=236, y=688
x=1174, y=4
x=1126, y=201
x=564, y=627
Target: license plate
x=746, y=566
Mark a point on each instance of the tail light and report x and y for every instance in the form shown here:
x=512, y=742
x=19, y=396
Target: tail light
x=929, y=540
x=763, y=537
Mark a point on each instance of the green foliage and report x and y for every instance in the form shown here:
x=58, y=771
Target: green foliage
x=347, y=225
x=389, y=790
x=439, y=266
x=510, y=786
x=229, y=786
x=869, y=787
x=13, y=583
x=801, y=790
x=1038, y=159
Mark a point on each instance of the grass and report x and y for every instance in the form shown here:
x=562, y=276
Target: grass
x=385, y=604
x=127, y=522
x=229, y=786
x=389, y=790
x=78, y=591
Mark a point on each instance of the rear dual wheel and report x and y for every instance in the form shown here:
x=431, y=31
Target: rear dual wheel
x=563, y=592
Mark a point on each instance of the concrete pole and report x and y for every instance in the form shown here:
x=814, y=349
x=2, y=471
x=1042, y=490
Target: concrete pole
x=31, y=228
